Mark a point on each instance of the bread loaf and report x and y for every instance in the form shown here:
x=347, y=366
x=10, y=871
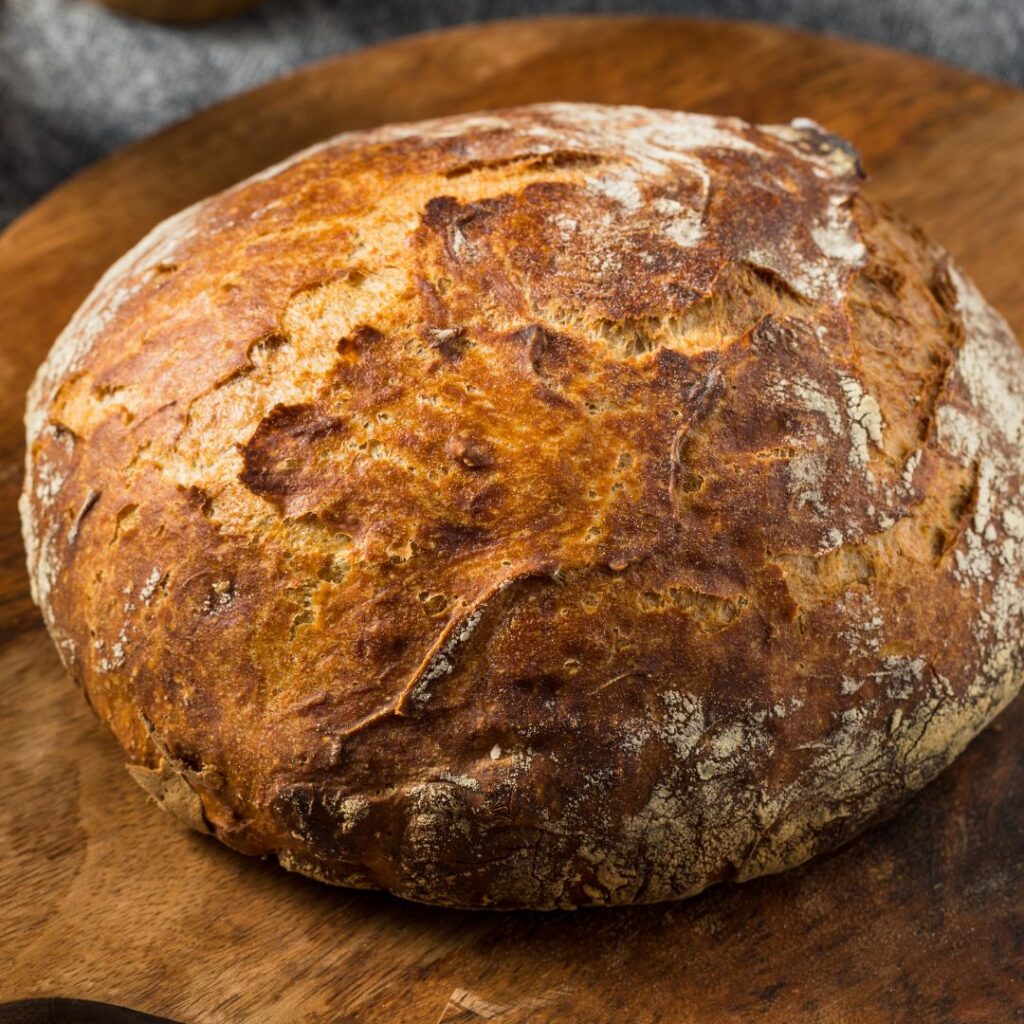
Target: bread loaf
x=564, y=505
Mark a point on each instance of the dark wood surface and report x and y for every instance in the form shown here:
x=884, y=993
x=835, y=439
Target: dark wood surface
x=180, y=10
x=103, y=897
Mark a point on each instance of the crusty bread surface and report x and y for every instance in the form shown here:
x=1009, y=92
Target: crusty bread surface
x=556, y=506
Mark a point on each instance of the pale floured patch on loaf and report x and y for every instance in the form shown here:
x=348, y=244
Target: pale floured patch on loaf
x=42, y=486
x=117, y=285
x=658, y=145
x=986, y=433
x=730, y=822
x=853, y=424
x=684, y=724
x=865, y=420
x=832, y=228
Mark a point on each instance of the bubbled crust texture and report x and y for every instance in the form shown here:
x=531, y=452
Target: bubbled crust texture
x=558, y=506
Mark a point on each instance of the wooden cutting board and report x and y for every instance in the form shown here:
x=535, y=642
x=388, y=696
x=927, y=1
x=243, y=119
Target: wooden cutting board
x=103, y=897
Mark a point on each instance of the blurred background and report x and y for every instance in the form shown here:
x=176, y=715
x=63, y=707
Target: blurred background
x=78, y=80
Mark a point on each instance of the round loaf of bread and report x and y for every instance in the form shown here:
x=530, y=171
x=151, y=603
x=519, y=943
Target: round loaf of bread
x=563, y=505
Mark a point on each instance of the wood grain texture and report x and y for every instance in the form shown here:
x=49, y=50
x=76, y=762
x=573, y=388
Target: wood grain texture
x=104, y=898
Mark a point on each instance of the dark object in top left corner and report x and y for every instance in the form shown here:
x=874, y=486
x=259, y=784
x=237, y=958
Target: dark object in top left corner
x=73, y=1011
x=181, y=11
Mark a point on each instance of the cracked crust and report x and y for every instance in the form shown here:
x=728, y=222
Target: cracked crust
x=558, y=506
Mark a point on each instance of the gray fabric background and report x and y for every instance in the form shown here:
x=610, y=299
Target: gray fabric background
x=77, y=81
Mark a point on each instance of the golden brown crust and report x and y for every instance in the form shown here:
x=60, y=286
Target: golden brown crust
x=557, y=506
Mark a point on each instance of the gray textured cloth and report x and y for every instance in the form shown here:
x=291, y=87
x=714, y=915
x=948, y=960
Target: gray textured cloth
x=77, y=81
